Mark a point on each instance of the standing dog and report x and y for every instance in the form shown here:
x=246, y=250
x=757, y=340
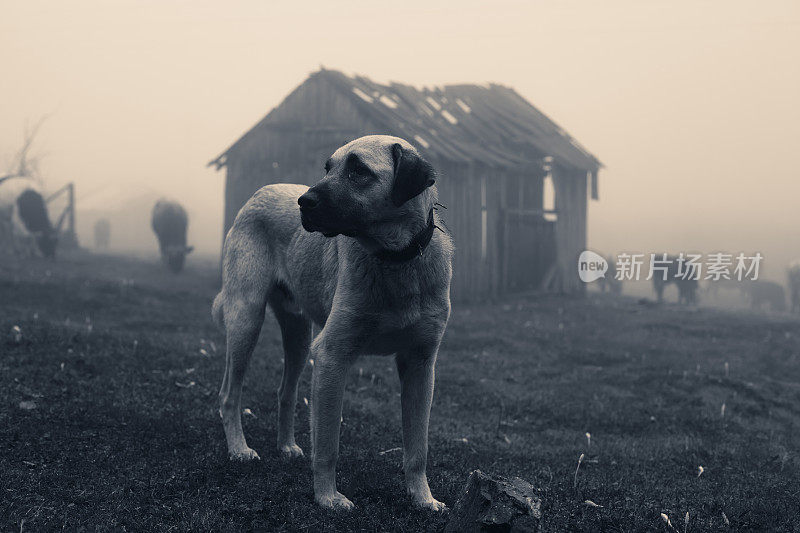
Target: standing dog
x=361, y=259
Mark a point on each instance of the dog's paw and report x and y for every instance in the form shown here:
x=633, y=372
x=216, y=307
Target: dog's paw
x=290, y=451
x=430, y=504
x=243, y=456
x=336, y=502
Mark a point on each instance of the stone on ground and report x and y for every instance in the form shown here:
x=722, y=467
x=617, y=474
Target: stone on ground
x=494, y=503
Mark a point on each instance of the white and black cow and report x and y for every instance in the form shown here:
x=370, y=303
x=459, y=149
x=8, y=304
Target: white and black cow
x=23, y=216
x=170, y=223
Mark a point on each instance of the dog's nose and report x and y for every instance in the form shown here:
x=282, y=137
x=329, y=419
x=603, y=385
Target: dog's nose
x=308, y=201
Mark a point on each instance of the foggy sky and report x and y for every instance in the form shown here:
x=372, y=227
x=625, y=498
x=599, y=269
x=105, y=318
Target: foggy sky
x=691, y=105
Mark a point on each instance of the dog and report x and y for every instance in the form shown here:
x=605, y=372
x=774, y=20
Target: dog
x=358, y=254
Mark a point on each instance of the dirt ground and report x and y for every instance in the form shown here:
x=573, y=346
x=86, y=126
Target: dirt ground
x=108, y=415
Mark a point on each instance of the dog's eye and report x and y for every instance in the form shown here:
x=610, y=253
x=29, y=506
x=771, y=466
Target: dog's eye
x=362, y=170
x=360, y=174
x=327, y=167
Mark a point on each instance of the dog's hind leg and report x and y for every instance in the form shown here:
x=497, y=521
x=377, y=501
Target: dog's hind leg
x=219, y=320
x=243, y=324
x=243, y=300
x=296, y=334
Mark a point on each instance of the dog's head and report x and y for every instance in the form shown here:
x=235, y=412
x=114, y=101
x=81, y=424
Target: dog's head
x=367, y=181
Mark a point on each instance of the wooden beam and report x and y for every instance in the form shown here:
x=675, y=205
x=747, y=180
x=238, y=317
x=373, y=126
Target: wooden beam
x=531, y=212
x=58, y=192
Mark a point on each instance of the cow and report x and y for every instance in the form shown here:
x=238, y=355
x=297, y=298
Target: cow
x=766, y=293
x=676, y=273
x=169, y=224
x=24, y=218
x=102, y=234
x=794, y=285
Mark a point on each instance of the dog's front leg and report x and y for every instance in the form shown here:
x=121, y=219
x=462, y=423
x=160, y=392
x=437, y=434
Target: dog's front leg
x=416, y=371
x=327, y=389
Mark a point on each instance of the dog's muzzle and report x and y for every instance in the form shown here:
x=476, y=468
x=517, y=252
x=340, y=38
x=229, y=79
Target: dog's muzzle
x=311, y=216
x=308, y=201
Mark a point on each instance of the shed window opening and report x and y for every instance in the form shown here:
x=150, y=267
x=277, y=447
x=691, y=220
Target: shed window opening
x=549, y=198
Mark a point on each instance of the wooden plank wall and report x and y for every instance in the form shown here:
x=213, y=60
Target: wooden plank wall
x=570, y=187
x=457, y=191
x=292, y=145
x=459, y=186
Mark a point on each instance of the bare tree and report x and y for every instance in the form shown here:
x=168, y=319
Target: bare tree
x=25, y=162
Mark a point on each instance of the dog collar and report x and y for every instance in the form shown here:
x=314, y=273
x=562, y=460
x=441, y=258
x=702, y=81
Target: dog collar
x=414, y=248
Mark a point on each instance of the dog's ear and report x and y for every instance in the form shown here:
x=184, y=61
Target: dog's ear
x=412, y=175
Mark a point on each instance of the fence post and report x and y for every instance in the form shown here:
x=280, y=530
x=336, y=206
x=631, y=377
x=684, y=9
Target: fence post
x=71, y=204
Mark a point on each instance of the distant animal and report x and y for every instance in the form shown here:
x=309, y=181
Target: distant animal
x=362, y=258
x=763, y=293
x=794, y=285
x=687, y=287
x=24, y=218
x=170, y=223
x=714, y=287
x=102, y=234
x=609, y=281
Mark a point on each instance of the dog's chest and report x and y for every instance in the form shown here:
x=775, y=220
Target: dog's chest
x=402, y=300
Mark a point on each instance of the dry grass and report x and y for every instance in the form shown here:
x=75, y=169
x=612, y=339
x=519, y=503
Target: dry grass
x=108, y=412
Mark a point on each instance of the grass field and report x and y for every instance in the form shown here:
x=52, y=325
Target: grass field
x=108, y=412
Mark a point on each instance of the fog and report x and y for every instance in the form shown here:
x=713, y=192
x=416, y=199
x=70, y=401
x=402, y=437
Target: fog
x=691, y=105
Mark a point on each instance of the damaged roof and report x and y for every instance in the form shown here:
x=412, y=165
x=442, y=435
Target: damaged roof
x=488, y=123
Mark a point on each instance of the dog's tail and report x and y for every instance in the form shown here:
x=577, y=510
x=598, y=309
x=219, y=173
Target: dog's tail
x=217, y=312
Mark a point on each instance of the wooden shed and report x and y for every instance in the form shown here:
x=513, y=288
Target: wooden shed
x=515, y=184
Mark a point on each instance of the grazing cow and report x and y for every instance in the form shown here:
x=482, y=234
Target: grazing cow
x=687, y=287
x=169, y=224
x=24, y=218
x=794, y=285
x=102, y=234
x=769, y=293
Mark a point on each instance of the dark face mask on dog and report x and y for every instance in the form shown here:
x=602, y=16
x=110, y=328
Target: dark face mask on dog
x=344, y=200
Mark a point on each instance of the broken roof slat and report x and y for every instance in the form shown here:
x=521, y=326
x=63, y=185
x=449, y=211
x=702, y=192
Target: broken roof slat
x=488, y=124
